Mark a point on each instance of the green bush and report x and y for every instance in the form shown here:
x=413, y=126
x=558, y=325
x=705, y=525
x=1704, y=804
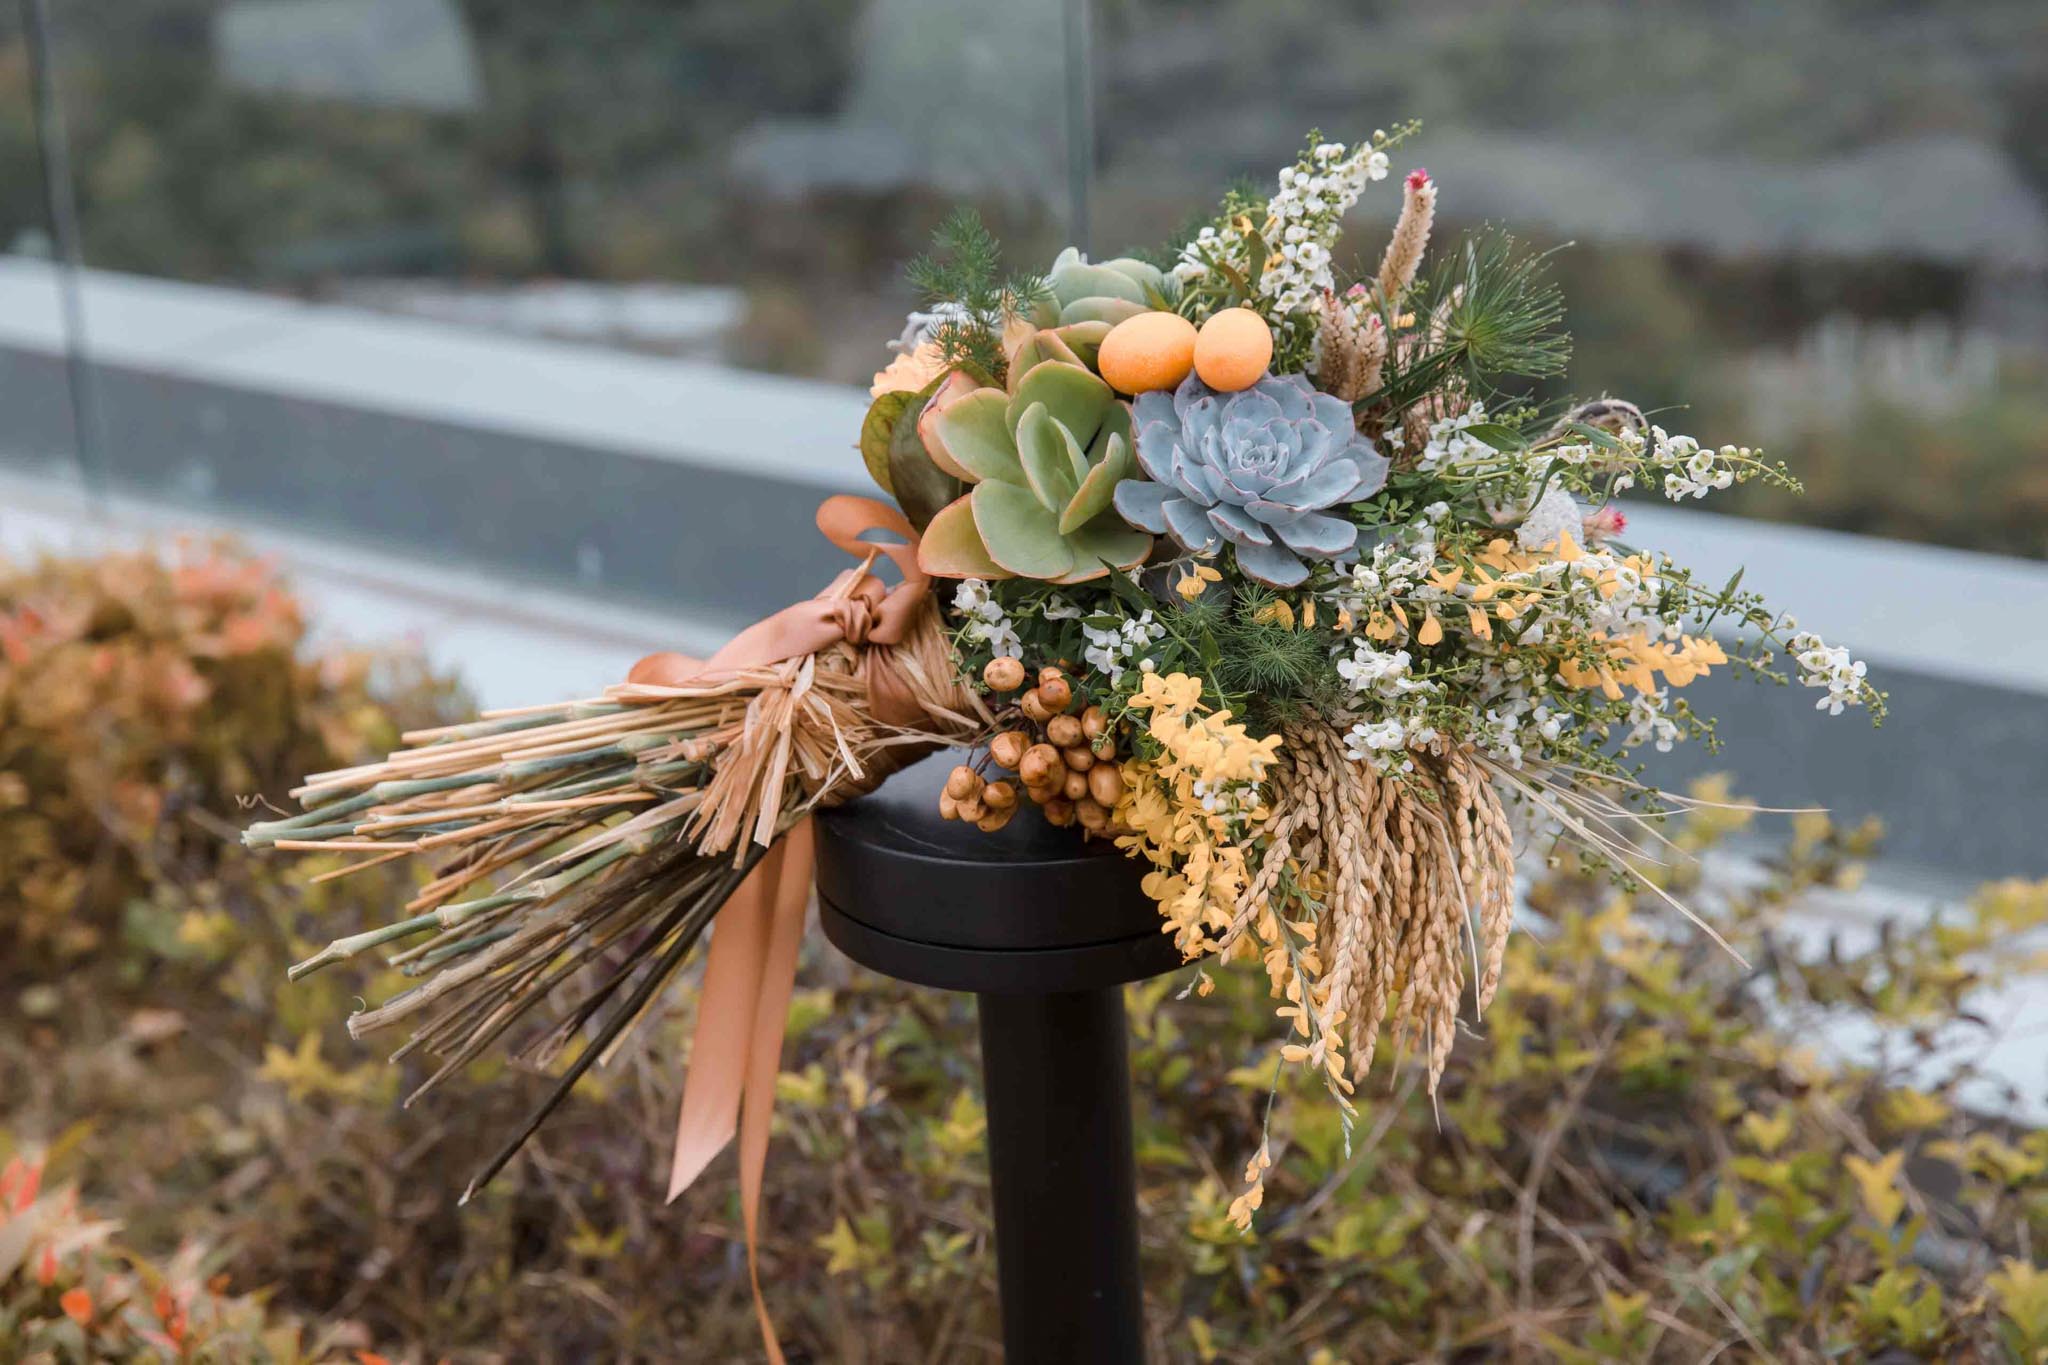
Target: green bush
x=1640, y=1158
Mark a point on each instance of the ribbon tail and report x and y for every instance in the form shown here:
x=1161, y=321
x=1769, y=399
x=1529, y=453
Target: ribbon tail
x=732, y=990
x=764, y=1054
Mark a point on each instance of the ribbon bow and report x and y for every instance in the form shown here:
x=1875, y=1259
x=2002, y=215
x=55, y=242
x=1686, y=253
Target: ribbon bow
x=736, y=1049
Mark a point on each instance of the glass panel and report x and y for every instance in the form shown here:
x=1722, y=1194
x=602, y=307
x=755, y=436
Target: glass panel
x=446, y=275
x=733, y=182
x=38, y=436
x=1822, y=226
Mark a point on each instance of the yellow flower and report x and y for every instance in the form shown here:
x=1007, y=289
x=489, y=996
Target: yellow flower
x=1275, y=611
x=1199, y=577
x=1431, y=632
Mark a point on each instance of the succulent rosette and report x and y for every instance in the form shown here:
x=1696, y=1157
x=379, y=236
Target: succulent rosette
x=1257, y=469
x=1042, y=459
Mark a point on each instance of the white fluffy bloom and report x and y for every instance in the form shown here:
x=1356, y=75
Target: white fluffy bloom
x=1556, y=515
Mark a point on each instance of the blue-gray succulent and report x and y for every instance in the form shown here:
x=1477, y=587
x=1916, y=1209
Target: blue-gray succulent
x=1255, y=468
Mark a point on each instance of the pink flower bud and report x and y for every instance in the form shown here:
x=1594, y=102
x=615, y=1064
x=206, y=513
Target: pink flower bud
x=1608, y=521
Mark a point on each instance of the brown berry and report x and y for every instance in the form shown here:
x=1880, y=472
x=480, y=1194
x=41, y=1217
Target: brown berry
x=1064, y=731
x=1104, y=747
x=1040, y=765
x=1060, y=812
x=1091, y=814
x=999, y=796
x=1105, y=784
x=1076, y=786
x=948, y=808
x=962, y=782
x=1049, y=672
x=1093, y=722
x=1034, y=708
x=1078, y=758
x=1005, y=674
x=1007, y=748
x=995, y=820
x=1054, y=693
x=971, y=809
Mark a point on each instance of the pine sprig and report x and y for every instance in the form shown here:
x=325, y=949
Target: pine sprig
x=1490, y=312
x=961, y=277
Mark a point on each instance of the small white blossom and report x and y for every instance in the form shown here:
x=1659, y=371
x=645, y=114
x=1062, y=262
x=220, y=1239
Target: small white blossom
x=1829, y=666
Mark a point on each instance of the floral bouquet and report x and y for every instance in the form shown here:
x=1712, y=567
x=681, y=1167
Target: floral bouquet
x=1274, y=576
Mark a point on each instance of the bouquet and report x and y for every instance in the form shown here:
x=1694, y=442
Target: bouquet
x=1276, y=575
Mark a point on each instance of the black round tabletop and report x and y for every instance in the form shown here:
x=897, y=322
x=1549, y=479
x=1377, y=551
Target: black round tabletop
x=1028, y=908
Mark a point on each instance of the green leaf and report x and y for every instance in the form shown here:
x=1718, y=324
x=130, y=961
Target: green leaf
x=978, y=437
x=1605, y=440
x=1115, y=422
x=1074, y=397
x=1097, y=308
x=1053, y=466
x=1021, y=535
x=876, y=429
x=951, y=546
x=1498, y=436
x=1075, y=281
x=1103, y=544
x=921, y=488
x=1092, y=498
x=1039, y=347
x=1084, y=339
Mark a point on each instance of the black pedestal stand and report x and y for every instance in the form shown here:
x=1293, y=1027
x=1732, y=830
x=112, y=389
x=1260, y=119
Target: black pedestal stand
x=1045, y=930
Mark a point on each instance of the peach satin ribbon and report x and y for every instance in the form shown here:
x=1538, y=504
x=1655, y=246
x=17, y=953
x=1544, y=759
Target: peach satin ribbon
x=750, y=974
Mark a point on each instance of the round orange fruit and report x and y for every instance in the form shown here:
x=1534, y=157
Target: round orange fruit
x=1233, y=349
x=1150, y=351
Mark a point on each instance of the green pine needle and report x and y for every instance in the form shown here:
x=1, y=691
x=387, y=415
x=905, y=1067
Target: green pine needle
x=964, y=267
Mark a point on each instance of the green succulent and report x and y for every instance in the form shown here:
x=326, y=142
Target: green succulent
x=1044, y=460
x=1109, y=291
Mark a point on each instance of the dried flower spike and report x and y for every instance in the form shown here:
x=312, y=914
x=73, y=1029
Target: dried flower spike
x=1410, y=240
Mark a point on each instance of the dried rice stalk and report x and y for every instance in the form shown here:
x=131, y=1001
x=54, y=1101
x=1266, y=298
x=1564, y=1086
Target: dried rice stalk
x=582, y=849
x=1404, y=867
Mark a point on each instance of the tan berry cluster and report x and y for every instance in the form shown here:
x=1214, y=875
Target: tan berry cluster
x=1065, y=758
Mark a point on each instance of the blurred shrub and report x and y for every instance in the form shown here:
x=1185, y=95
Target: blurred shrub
x=1975, y=478
x=69, y=1292
x=1643, y=1158
x=140, y=697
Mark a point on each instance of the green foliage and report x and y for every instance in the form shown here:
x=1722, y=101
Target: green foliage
x=964, y=267
x=1498, y=316
x=1265, y=663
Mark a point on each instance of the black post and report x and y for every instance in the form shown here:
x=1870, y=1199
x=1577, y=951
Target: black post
x=1045, y=930
x=1056, y=1073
